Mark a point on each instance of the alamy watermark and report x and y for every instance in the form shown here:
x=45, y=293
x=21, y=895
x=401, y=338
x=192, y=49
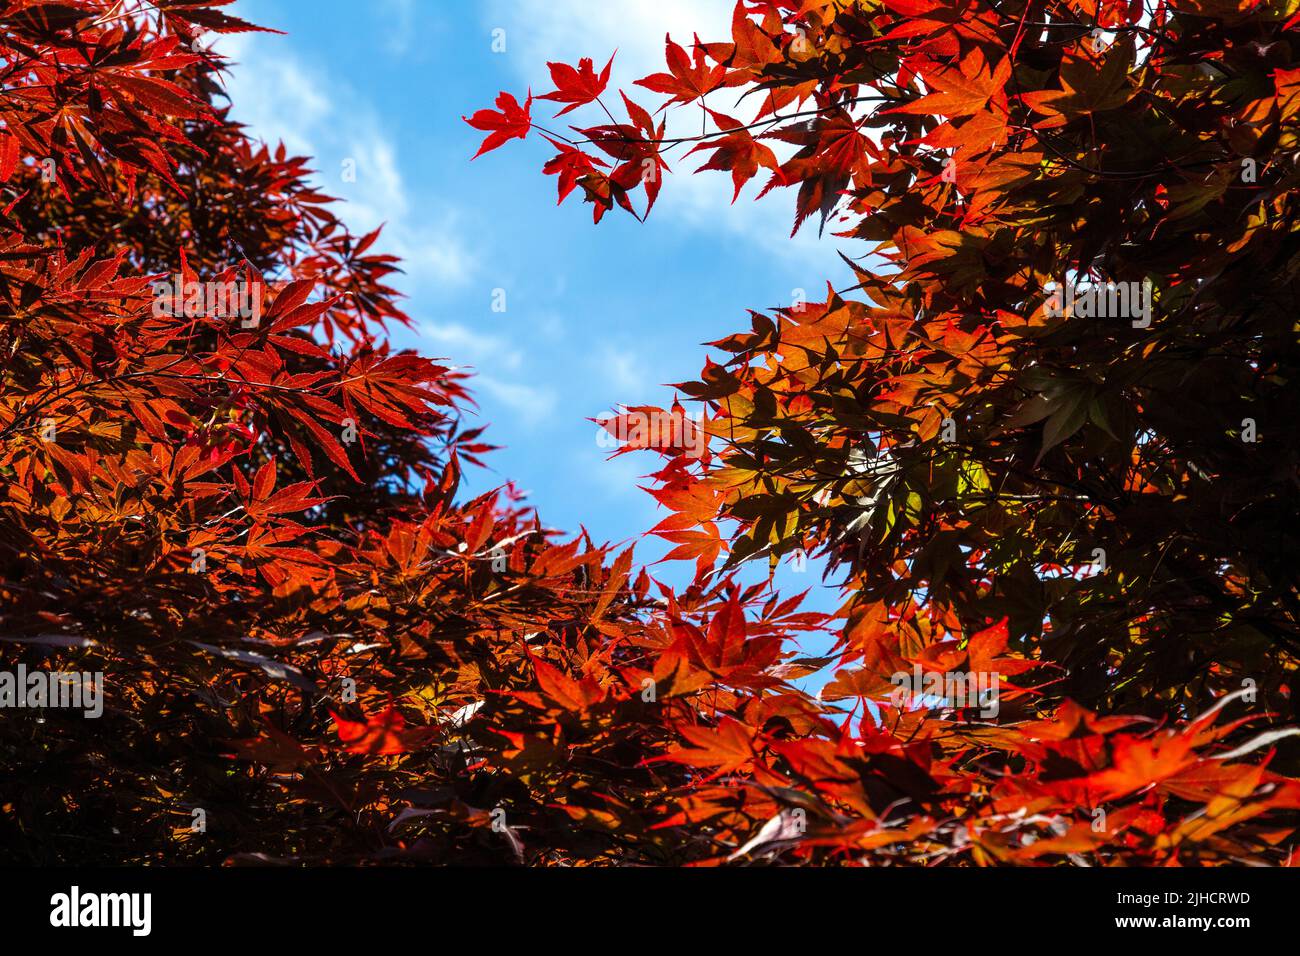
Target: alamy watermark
x=68, y=690
x=955, y=690
x=1101, y=300
x=657, y=429
x=76, y=909
x=229, y=300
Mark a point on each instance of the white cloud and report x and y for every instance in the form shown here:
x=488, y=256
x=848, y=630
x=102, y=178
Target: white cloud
x=490, y=352
x=381, y=194
x=316, y=115
x=434, y=255
x=624, y=370
x=619, y=478
x=401, y=15
x=532, y=404
x=299, y=106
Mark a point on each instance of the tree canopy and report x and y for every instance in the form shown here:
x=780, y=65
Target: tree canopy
x=1045, y=437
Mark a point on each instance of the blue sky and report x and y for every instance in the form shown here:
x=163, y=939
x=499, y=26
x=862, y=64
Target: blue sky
x=597, y=316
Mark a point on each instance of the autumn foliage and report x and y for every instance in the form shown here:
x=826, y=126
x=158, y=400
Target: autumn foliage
x=241, y=521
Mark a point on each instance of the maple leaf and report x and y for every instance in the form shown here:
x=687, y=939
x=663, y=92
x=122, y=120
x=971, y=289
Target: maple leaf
x=9, y=151
x=738, y=152
x=646, y=427
x=834, y=149
x=965, y=91
x=572, y=696
x=699, y=542
x=726, y=647
x=725, y=748
x=687, y=81
x=382, y=734
x=572, y=165
x=749, y=52
x=265, y=502
x=1137, y=763
x=577, y=87
x=508, y=121
x=1084, y=89
x=274, y=748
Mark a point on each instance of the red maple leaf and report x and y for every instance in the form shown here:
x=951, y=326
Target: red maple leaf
x=577, y=87
x=571, y=165
x=509, y=121
x=738, y=152
x=686, y=81
x=384, y=733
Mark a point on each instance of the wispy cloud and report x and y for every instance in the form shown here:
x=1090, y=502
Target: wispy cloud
x=483, y=350
x=625, y=369
x=316, y=114
x=534, y=405
x=401, y=14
